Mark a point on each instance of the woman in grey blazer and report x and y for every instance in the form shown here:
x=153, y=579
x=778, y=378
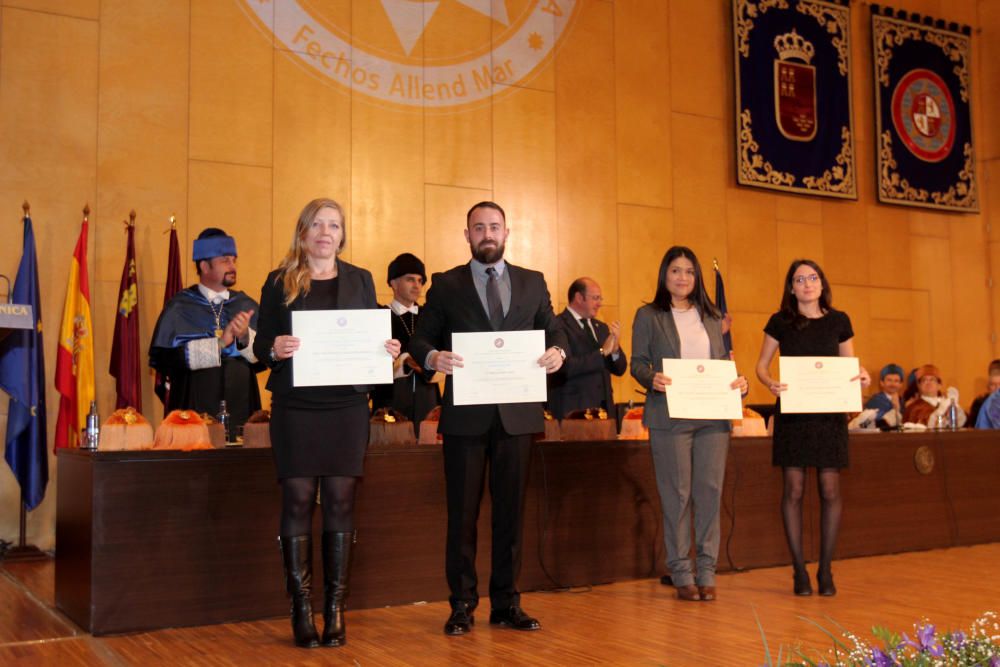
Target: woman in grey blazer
x=689, y=455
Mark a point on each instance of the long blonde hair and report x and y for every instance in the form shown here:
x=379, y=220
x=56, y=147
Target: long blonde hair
x=293, y=271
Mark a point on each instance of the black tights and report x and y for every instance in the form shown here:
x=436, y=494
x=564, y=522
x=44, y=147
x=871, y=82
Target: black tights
x=830, y=509
x=298, y=498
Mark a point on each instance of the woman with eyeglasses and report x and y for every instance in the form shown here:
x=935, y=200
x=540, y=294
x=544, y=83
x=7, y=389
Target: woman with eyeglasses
x=689, y=455
x=807, y=326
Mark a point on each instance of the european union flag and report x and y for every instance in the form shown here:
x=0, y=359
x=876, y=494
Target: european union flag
x=22, y=376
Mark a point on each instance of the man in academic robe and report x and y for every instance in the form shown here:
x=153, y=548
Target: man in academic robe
x=412, y=392
x=203, y=341
x=594, y=354
x=485, y=294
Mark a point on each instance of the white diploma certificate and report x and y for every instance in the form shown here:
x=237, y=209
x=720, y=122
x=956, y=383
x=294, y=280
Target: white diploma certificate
x=499, y=367
x=700, y=389
x=341, y=347
x=820, y=384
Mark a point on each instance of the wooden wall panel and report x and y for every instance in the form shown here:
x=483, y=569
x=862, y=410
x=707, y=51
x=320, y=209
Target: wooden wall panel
x=445, y=209
x=143, y=152
x=988, y=87
x=700, y=187
x=457, y=150
x=585, y=94
x=931, y=271
x=387, y=183
x=796, y=241
x=845, y=251
x=701, y=58
x=231, y=86
x=214, y=190
x=642, y=103
x=524, y=177
x=85, y=9
x=752, y=272
x=888, y=246
x=312, y=151
x=644, y=234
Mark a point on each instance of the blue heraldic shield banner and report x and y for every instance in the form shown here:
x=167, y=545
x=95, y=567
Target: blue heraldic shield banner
x=923, y=116
x=794, y=129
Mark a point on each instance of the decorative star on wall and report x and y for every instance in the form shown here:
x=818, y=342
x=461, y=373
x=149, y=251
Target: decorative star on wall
x=409, y=19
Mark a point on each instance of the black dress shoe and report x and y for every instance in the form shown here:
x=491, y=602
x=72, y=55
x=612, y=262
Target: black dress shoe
x=460, y=622
x=514, y=617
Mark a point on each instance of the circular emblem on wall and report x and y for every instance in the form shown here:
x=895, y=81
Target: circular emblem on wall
x=923, y=114
x=419, y=53
x=923, y=459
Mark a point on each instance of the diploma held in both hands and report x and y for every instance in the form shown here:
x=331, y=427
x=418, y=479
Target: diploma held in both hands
x=702, y=389
x=820, y=384
x=499, y=367
x=341, y=347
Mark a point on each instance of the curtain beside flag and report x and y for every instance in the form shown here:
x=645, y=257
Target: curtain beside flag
x=161, y=386
x=22, y=376
x=75, y=353
x=125, y=347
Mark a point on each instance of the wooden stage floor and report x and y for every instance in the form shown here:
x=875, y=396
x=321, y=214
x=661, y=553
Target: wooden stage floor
x=629, y=623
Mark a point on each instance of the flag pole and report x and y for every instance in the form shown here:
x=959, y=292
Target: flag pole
x=23, y=551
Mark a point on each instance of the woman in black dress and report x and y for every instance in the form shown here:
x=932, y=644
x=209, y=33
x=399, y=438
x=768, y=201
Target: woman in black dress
x=807, y=325
x=318, y=434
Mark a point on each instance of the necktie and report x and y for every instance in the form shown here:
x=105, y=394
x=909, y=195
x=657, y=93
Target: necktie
x=493, y=302
x=589, y=326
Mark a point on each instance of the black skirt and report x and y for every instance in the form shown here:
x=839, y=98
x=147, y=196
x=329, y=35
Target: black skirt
x=320, y=442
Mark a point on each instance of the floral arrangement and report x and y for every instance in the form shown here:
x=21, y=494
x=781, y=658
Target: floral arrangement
x=979, y=646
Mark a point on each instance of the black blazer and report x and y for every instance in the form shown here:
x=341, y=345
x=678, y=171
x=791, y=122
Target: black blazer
x=453, y=305
x=355, y=289
x=584, y=381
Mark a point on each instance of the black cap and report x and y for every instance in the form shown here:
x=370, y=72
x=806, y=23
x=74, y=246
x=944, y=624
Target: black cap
x=406, y=264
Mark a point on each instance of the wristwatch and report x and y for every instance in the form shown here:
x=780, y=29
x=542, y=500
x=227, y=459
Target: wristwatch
x=272, y=356
x=562, y=352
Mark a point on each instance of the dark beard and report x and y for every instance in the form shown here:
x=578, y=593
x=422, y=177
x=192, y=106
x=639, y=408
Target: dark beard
x=487, y=255
x=229, y=280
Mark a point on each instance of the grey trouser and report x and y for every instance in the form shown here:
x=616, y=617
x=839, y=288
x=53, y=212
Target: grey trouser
x=690, y=463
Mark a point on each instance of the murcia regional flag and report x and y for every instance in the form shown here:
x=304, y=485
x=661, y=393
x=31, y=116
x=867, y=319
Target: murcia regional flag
x=75, y=354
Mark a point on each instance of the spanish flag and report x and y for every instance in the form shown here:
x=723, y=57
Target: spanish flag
x=75, y=354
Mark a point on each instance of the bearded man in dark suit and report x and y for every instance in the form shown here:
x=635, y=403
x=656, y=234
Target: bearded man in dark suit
x=595, y=353
x=486, y=294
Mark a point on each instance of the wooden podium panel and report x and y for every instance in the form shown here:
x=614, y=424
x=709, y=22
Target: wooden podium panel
x=160, y=539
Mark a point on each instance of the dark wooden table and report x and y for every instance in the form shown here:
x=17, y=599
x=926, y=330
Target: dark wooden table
x=160, y=539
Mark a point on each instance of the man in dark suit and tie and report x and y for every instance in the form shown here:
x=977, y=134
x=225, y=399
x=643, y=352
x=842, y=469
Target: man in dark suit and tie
x=487, y=294
x=594, y=354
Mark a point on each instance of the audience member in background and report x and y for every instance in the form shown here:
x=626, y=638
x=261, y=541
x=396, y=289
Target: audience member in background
x=993, y=383
x=888, y=402
x=930, y=402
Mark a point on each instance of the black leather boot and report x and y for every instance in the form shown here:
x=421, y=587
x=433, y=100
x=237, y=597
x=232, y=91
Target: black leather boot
x=336, y=570
x=296, y=554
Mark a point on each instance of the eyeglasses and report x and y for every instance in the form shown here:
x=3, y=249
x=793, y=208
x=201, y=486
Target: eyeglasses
x=596, y=297
x=811, y=278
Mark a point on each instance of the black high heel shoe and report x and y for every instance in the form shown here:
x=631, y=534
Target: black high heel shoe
x=802, y=586
x=824, y=581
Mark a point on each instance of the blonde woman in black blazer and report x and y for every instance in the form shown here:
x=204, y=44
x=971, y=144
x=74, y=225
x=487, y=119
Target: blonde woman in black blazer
x=318, y=434
x=689, y=455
